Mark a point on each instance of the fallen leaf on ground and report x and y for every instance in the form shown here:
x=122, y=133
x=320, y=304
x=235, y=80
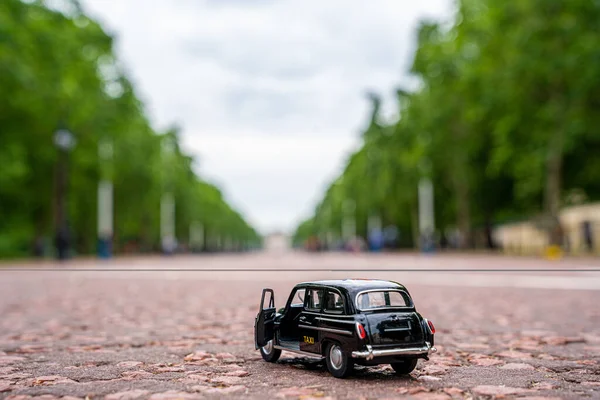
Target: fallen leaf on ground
x=490, y=390
x=224, y=390
x=537, y=334
x=546, y=357
x=226, y=380
x=562, y=340
x=428, y=378
x=539, y=398
x=7, y=360
x=590, y=383
x=129, y=364
x=525, y=344
x=434, y=369
x=239, y=373
x=128, y=395
x=453, y=391
x=486, y=362
x=128, y=375
x=517, y=366
x=294, y=392
x=169, y=369
x=483, y=360
x=175, y=395
x=445, y=361
x=432, y=396
x=544, y=386
x=197, y=356
x=514, y=354
x=591, y=338
x=6, y=370
x=31, y=349
x=225, y=356
x=479, y=346
x=51, y=380
x=586, y=362
x=5, y=387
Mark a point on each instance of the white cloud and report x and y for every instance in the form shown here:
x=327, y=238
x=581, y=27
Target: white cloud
x=275, y=173
x=270, y=93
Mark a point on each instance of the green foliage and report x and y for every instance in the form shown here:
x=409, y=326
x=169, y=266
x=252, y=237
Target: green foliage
x=59, y=70
x=504, y=123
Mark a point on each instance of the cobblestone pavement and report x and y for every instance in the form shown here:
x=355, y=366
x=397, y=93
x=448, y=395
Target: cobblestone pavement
x=186, y=334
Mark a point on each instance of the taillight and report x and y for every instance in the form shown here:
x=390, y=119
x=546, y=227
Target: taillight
x=361, y=331
x=431, y=326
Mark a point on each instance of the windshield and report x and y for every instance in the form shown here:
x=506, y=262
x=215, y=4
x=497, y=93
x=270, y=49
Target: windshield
x=382, y=299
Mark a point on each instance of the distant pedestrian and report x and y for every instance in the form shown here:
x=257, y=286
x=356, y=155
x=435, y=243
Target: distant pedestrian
x=38, y=247
x=62, y=242
x=391, y=236
x=588, y=235
x=443, y=241
x=489, y=237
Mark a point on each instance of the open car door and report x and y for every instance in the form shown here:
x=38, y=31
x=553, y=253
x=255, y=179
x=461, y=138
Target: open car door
x=265, y=320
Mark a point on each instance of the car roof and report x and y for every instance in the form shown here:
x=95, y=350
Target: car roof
x=355, y=285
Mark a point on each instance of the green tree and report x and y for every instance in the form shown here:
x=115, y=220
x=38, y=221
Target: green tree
x=59, y=70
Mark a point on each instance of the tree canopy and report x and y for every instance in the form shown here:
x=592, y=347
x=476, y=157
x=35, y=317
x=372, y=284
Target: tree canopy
x=58, y=70
x=504, y=123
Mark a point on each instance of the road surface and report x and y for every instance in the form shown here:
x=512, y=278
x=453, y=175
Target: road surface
x=161, y=328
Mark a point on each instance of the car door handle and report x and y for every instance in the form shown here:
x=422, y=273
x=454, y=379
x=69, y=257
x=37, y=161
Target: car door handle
x=302, y=318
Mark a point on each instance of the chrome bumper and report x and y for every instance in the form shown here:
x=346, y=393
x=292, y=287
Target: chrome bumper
x=369, y=354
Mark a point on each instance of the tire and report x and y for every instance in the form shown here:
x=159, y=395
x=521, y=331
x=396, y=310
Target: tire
x=405, y=367
x=269, y=353
x=338, y=362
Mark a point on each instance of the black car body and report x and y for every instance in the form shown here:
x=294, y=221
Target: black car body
x=349, y=321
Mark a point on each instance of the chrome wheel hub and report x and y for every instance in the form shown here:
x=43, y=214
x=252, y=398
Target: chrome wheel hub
x=335, y=356
x=267, y=348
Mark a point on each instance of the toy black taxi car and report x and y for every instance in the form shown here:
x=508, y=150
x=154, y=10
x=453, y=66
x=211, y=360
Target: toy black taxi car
x=367, y=322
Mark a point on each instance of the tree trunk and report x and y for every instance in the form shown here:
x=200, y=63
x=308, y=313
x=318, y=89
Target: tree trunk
x=463, y=209
x=414, y=224
x=460, y=181
x=489, y=231
x=553, y=187
x=459, y=171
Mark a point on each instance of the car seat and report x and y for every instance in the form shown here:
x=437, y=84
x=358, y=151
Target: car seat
x=330, y=305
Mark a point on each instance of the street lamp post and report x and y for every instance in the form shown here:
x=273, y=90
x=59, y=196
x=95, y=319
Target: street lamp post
x=426, y=215
x=105, y=199
x=349, y=221
x=196, y=237
x=64, y=142
x=167, y=204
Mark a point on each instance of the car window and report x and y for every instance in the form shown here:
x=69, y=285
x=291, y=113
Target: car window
x=382, y=298
x=268, y=301
x=314, y=298
x=298, y=297
x=334, y=303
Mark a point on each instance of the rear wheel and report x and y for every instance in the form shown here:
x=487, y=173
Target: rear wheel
x=338, y=362
x=405, y=366
x=269, y=353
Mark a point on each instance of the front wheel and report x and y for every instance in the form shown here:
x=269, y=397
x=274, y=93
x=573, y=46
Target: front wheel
x=405, y=366
x=338, y=362
x=269, y=353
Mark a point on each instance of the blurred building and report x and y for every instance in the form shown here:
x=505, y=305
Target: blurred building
x=580, y=224
x=277, y=242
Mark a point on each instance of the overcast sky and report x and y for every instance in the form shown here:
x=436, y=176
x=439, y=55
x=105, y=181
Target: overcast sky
x=270, y=94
